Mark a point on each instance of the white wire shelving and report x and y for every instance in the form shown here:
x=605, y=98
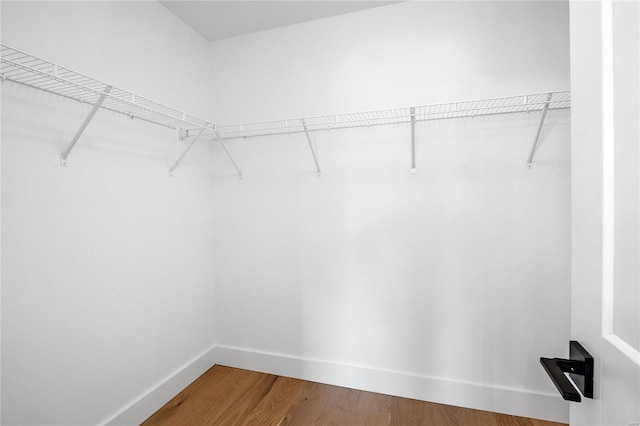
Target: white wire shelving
x=23, y=68
x=531, y=103
x=463, y=109
x=28, y=70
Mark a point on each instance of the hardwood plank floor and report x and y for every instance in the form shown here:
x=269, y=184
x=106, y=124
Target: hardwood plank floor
x=230, y=396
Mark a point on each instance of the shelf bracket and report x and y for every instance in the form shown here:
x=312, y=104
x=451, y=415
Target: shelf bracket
x=96, y=106
x=228, y=154
x=313, y=151
x=535, y=140
x=173, y=167
x=413, y=139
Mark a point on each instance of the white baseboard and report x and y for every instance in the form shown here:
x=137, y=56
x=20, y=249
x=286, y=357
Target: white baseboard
x=470, y=395
x=148, y=403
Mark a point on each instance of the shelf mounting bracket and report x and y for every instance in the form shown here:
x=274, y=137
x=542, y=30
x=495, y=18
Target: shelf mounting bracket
x=96, y=106
x=413, y=139
x=535, y=140
x=235, y=166
x=313, y=151
x=173, y=167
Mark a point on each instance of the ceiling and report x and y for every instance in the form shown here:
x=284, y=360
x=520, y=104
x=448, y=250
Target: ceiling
x=216, y=20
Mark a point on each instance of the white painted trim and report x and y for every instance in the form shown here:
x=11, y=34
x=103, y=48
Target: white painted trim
x=608, y=188
x=149, y=402
x=623, y=347
x=517, y=402
x=546, y=406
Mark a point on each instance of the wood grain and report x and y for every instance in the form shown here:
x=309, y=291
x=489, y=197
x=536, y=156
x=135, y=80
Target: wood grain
x=230, y=396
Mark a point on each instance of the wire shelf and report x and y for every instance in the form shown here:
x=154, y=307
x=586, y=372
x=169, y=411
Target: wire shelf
x=22, y=68
x=560, y=100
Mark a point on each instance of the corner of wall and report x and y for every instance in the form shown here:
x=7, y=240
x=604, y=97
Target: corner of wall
x=149, y=402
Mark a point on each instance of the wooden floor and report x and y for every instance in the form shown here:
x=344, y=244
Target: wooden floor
x=229, y=396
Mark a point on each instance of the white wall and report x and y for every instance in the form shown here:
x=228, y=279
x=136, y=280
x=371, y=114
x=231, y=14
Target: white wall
x=107, y=281
x=446, y=285
x=404, y=54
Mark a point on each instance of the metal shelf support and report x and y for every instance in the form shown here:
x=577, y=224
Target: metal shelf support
x=96, y=106
x=173, y=167
x=22, y=68
x=535, y=140
x=413, y=139
x=313, y=151
x=235, y=166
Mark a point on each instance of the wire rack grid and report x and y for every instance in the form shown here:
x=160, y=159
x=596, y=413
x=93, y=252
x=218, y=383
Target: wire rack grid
x=22, y=68
x=559, y=100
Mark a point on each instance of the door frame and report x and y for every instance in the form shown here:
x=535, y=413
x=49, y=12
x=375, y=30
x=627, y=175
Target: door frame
x=608, y=187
